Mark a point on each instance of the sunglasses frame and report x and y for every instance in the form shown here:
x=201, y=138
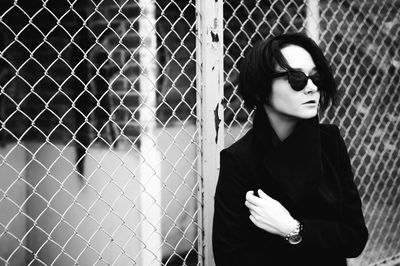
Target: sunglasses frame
x=289, y=75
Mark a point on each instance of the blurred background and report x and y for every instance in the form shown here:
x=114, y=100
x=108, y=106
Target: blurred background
x=101, y=137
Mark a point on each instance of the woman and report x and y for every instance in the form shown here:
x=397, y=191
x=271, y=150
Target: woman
x=285, y=194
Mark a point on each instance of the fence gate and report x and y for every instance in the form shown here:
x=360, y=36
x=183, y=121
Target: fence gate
x=112, y=116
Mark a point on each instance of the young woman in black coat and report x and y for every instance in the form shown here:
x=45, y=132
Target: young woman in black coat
x=285, y=193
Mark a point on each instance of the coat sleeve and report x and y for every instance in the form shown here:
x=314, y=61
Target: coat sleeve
x=349, y=235
x=230, y=213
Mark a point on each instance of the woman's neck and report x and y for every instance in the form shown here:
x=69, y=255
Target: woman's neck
x=282, y=124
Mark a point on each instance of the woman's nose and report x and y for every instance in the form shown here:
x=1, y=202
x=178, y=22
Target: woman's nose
x=310, y=87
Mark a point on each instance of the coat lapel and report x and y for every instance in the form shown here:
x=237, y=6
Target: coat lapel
x=295, y=163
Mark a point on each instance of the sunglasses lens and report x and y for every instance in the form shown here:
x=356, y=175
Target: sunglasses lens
x=297, y=80
x=316, y=79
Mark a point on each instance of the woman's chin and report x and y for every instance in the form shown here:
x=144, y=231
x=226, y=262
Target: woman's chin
x=308, y=114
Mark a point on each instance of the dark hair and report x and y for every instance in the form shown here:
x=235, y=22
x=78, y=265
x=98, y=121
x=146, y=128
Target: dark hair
x=258, y=65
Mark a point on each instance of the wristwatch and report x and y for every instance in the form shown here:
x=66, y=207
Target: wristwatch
x=295, y=237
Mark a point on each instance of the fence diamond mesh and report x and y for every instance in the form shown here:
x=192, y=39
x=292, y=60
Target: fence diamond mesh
x=98, y=133
x=361, y=38
x=100, y=130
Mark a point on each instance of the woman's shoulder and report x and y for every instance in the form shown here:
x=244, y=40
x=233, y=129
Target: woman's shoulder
x=329, y=130
x=331, y=138
x=241, y=147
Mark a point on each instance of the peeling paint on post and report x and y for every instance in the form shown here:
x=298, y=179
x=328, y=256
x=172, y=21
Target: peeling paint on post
x=217, y=122
x=210, y=84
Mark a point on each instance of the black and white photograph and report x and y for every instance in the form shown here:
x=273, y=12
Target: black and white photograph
x=200, y=132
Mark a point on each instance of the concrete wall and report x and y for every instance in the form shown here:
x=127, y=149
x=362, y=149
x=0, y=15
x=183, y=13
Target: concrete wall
x=78, y=221
x=64, y=218
x=13, y=218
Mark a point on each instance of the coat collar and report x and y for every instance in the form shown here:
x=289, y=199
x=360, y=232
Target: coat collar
x=294, y=163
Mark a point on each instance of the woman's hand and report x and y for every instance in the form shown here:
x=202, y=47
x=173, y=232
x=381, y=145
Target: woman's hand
x=269, y=215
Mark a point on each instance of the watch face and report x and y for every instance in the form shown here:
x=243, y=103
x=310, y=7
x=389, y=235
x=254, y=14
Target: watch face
x=295, y=239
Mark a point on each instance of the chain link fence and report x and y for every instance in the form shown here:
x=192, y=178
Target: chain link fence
x=100, y=138
x=99, y=142
x=361, y=39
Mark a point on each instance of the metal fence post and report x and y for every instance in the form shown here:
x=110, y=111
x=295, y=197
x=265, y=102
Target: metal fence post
x=312, y=20
x=150, y=199
x=210, y=84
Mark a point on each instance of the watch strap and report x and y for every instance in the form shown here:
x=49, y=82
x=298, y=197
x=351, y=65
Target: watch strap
x=295, y=236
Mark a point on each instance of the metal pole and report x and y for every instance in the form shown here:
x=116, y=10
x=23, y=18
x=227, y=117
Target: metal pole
x=150, y=169
x=312, y=19
x=210, y=112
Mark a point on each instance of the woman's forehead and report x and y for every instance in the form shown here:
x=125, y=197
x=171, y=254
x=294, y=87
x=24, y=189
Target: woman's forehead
x=298, y=58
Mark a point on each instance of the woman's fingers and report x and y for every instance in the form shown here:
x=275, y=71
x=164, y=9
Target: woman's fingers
x=254, y=217
x=253, y=220
x=249, y=204
x=263, y=195
x=267, y=213
x=259, y=201
x=253, y=199
x=249, y=193
x=252, y=208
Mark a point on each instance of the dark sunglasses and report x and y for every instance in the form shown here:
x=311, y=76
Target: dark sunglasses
x=298, y=80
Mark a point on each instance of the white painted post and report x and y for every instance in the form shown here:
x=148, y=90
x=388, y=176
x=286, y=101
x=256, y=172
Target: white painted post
x=312, y=19
x=150, y=168
x=210, y=84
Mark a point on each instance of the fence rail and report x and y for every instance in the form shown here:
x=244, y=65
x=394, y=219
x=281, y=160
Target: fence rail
x=113, y=112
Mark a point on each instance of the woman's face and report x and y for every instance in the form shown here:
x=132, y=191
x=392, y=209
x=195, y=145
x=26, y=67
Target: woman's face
x=287, y=102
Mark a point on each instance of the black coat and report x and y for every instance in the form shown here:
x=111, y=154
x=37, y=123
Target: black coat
x=310, y=174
